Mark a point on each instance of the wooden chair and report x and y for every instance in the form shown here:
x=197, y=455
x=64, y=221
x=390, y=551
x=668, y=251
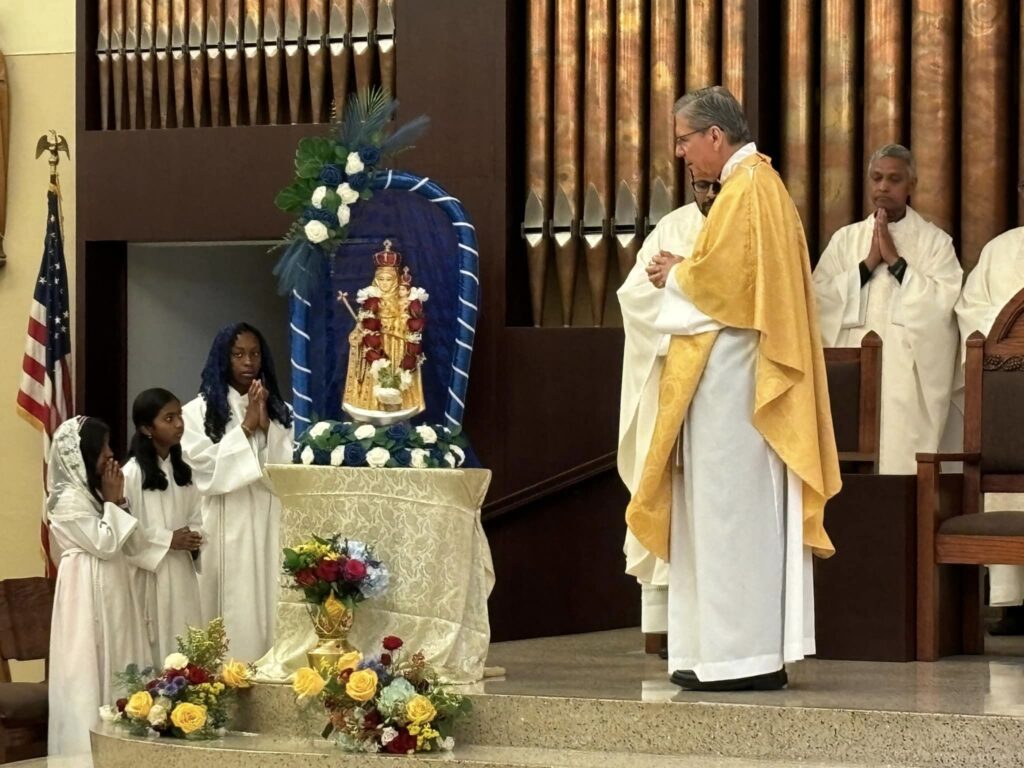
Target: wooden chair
x=25, y=609
x=950, y=527
x=855, y=390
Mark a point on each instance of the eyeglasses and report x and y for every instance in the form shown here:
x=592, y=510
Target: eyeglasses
x=681, y=140
x=703, y=187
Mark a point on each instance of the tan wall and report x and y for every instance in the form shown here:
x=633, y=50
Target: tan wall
x=37, y=39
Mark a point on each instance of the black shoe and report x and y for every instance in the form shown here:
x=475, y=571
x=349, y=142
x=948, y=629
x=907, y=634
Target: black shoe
x=1012, y=622
x=772, y=681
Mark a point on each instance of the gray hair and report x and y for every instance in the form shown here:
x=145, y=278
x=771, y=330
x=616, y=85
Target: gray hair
x=714, y=106
x=899, y=152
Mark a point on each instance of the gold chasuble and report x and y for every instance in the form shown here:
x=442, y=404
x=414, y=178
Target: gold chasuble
x=749, y=269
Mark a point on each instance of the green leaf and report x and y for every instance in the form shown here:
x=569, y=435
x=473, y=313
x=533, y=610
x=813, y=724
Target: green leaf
x=341, y=153
x=292, y=199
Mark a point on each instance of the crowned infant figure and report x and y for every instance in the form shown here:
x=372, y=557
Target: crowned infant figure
x=383, y=384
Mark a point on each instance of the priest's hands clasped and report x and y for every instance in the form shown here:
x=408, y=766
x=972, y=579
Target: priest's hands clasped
x=186, y=539
x=660, y=266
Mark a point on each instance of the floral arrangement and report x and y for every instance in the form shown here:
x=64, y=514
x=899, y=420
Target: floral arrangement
x=333, y=174
x=344, y=569
x=190, y=697
x=384, y=703
x=350, y=444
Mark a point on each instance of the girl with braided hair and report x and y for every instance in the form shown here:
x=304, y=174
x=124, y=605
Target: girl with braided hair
x=235, y=427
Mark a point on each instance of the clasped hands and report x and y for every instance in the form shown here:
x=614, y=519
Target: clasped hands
x=659, y=267
x=256, y=416
x=882, y=246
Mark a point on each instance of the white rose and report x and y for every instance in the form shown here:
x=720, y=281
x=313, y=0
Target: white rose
x=316, y=231
x=427, y=434
x=377, y=457
x=354, y=164
x=450, y=460
x=109, y=714
x=447, y=743
x=460, y=455
x=418, y=294
x=365, y=431
x=157, y=715
x=307, y=455
x=419, y=458
x=318, y=196
x=388, y=735
x=319, y=428
x=344, y=214
x=347, y=194
x=338, y=456
x=176, y=661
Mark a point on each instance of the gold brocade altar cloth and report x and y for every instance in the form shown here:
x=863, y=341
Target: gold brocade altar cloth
x=424, y=524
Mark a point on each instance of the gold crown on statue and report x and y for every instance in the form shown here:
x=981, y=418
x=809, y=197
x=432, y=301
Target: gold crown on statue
x=387, y=257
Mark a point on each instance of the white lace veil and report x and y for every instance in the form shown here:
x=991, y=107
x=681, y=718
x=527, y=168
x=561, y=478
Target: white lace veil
x=69, y=496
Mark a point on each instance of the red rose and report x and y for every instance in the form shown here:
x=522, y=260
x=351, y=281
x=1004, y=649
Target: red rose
x=306, y=577
x=373, y=355
x=409, y=362
x=121, y=704
x=402, y=743
x=372, y=720
x=345, y=674
x=385, y=659
x=196, y=675
x=372, y=304
x=416, y=324
x=371, y=324
x=416, y=308
x=329, y=570
x=413, y=348
x=354, y=570
x=372, y=341
x=391, y=643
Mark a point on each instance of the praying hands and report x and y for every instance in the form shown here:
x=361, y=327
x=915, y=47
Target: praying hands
x=660, y=266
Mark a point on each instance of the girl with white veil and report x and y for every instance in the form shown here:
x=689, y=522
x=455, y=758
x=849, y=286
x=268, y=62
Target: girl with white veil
x=97, y=628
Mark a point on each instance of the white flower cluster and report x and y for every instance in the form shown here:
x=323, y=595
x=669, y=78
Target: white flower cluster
x=369, y=292
x=317, y=231
x=418, y=294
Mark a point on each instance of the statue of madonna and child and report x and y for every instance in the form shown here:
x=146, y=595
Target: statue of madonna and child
x=383, y=384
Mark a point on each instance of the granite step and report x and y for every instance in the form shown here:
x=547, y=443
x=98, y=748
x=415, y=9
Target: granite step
x=114, y=749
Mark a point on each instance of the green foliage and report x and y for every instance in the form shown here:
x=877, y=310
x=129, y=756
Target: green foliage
x=207, y=647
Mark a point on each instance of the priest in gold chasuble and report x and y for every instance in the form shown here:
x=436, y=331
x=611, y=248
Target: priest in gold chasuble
x=743, y=406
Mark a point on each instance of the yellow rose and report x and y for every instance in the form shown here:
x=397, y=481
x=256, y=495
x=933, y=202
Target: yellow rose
x=139, y=704
x=308, y=683
x=189, y=717
x=362, y=685
x=349, y=660
x=235, y=674
x=419, y=710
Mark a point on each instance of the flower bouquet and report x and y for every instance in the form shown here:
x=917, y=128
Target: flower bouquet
x=334, y=574
x=349, y=444
x=384, y=703
x=191, y=697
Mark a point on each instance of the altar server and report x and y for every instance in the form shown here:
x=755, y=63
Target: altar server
x=96, y=629
x=997, y=278
x=161, y=495
x=897, y=275
x=235, y=427
x=642, y=360
x=743, y=386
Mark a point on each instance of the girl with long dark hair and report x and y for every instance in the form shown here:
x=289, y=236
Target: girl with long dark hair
x=96, y=629
x=159, y=488
x=235, y=427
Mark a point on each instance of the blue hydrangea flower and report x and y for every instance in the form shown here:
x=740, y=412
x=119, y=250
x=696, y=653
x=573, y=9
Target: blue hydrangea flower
x=373, y=662
x=355, y=455
x=376, y=582
x=394, y=697
x=369, y=156
x=331, y=175
x=359, y=181
x=356, y=549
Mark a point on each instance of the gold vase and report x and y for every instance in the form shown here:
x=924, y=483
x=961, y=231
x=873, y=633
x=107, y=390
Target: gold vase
x=332, y=621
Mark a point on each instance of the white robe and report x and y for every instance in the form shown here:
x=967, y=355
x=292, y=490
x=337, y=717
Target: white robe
x=97, y=628
x=241, y=518
x=915, y=321
x=741, y=598
x=165, y=579
x=997, y=278
x=642, y=361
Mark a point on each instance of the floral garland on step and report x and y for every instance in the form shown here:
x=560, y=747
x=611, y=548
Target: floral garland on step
x=350, y=444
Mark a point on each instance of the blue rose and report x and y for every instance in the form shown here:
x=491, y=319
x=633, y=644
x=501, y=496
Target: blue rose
x=319, y=214
x=321, y=457
x=359, y=181
x=399, y=432
x=355, y=455
x=369, y=155
x=331, y=175
x=402, y=457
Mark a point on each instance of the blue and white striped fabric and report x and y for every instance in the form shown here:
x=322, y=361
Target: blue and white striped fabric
x=469, y=301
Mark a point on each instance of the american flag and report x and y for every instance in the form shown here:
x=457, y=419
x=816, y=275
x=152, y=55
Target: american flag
x=45, y=397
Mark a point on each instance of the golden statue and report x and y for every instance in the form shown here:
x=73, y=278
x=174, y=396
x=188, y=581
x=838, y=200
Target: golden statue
x=383, y=384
